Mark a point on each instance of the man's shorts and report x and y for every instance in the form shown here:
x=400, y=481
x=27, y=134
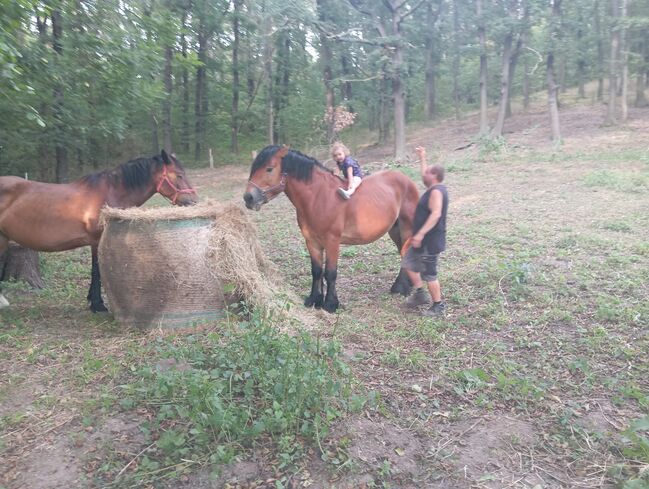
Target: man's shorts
x=420, y=261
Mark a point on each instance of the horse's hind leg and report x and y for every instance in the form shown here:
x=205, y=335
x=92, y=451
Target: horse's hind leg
x=402, y=283
x=4, y=245
x=94, y=293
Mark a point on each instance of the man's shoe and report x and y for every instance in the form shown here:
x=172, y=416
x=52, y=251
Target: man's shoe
x=343, y=193
x=419, y=298
x=438, y=309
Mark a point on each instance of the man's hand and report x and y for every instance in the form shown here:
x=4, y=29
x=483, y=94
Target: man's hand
x=415, y=241
x=421, y=152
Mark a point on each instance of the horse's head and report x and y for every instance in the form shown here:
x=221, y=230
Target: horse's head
x=172, y=182
x=267, y=180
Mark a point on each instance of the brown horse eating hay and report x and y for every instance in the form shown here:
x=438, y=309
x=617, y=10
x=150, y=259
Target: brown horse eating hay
x=58, y=217
x=384, y=202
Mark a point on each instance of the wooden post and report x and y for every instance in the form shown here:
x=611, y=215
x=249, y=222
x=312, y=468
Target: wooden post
x=211, y=159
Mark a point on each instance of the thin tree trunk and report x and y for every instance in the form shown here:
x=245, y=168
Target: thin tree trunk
x=611, y=117
x=562, y=75
x=429, y=98
x=398, y=90
x=600, y=51
x=384, y=109
x=456, y=59
x=482, y=35
x=234, y=144
x=552, y=86
x=326, y=59
x=155, y=143
x=184, y=131
x=61, y=151
x=346, y=86
x=581, y=62
x=268, y=70
x=640, y=99
x=201, y=74
x=526, y=85
x=166, y=105
x=504, y=85
x=624, y=112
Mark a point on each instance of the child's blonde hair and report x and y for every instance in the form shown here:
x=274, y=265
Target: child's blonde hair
x=339, y=145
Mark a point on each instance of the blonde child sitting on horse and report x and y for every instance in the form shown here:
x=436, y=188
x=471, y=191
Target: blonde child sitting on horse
x=349, y=167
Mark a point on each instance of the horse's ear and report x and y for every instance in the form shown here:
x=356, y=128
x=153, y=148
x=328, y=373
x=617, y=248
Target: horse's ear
x=165, y=157
x=283, y=151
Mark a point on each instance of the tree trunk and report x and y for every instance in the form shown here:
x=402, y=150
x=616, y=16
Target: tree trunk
x=166, y=104
x=429, y=98
x=346, y=86
x=512, y=72
x=456, y=59
x=581, y=62
x=526, y=85
x=155, y=143
x=552, y=86
x=640, y=84
x=268, y=71
x=600, y=51
x=384, y=110
x=482, y=35
x=184, y=131
x=199, y=104
x=611, y=117
x=60, y=148
x=504, y=85
x=18, y=263
x=326, y=58
x=624, y=112
x=398, y=90
x=234, y=143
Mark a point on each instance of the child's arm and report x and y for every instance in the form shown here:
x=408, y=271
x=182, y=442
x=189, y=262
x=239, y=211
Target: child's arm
x=421, y=152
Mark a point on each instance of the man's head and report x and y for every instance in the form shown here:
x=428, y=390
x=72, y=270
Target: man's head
x=434, y=175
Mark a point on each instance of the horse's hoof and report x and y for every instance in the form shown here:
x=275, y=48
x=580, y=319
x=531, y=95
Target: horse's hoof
x=316, y=301
x=401, y=288
x=331, y=306
x=98, y=307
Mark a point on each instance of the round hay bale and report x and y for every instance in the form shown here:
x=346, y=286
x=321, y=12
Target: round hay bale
x=180, y=267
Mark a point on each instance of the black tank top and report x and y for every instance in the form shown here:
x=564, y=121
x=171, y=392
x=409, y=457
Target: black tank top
x=435, y=240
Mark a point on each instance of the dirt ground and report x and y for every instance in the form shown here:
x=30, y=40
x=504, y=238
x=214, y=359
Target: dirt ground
x=529, y=382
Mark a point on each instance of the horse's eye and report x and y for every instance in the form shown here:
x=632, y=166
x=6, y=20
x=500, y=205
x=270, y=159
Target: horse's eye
x=268, y=170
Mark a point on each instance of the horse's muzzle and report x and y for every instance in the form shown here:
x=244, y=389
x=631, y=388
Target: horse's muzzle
x=254, y=200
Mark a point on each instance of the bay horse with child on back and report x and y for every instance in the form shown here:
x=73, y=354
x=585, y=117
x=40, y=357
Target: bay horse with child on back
x=384, y=203
x=59, y=217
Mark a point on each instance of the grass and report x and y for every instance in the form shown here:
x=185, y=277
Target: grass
x=546, y=281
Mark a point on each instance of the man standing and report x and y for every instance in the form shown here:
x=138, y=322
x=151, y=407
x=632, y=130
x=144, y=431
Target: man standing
x=428, y=239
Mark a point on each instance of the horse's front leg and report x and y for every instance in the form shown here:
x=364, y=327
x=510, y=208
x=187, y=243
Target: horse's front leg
x=94, y=293
x=316, y=298
x=330, y=274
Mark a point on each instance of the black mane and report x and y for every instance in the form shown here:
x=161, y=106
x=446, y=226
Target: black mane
x=294, y=164
x=133, y=174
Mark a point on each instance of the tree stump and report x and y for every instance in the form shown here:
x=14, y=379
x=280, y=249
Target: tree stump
x=20, y=263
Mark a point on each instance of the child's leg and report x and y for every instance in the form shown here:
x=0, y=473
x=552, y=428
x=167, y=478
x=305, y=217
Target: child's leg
x=356, y=181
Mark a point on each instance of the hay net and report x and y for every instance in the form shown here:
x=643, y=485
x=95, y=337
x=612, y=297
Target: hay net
x=232, y=254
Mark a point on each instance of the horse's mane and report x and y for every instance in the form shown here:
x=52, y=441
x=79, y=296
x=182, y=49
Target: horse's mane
x=133, y=174
x=294, y=164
